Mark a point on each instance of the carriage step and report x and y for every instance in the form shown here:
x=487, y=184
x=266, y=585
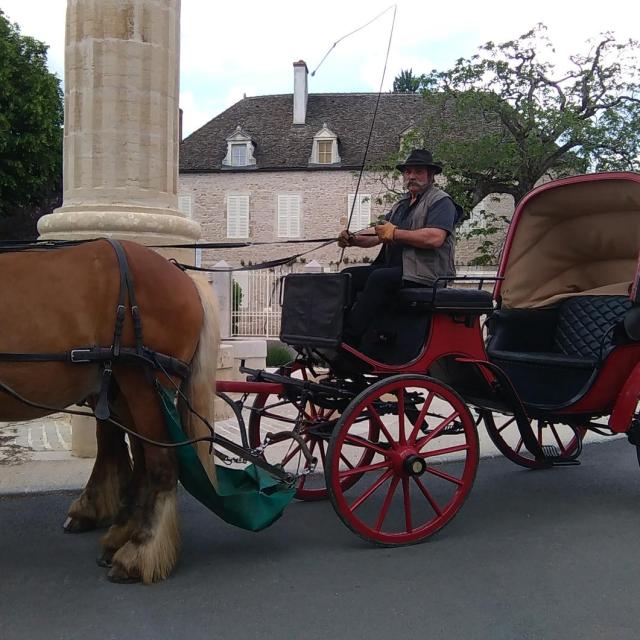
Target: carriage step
x=553, y=455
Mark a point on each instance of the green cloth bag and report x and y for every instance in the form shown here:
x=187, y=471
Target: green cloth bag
x=248, y=498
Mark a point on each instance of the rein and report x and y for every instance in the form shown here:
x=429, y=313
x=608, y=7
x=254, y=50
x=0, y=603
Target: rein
x=48, y=245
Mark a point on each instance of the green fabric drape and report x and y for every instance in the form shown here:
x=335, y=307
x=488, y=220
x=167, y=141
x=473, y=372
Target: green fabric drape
x=248, y=498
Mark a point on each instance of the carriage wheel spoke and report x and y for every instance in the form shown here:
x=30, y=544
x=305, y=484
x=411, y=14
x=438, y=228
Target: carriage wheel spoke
x=428, y=496
x=444, y=476
x=540, y=428
x=292, y=453
x=346, y=460
x=402, y=436
x=421, y=416
x=381, y=425
x=441, y=452
x=371, y=490
x=520, y=443
x=358, y=441
x=323, y=454
x=563, y=448
x=445, y=423
x=364, y=469
x=386, y=504
x=407, y=505
x=506, y=424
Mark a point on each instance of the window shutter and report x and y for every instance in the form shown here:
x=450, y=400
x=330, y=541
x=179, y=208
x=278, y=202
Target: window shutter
x=184, y=205
x=361, y=212
x=237, y=216
x=288, y=216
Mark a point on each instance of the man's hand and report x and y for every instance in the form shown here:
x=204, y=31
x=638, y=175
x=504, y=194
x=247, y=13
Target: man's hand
x=386, y=232
x=345, y=239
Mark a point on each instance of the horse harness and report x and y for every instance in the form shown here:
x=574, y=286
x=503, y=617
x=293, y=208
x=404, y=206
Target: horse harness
x=105, y=356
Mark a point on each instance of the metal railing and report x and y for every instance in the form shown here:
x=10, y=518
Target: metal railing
x=255, y=309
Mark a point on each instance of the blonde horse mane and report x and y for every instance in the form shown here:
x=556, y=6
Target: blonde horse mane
x=199, y=387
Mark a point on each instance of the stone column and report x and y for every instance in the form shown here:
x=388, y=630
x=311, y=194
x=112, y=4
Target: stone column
x=121, y=125
x=121, y=134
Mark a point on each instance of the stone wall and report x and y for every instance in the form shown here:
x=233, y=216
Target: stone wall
x=324, y=211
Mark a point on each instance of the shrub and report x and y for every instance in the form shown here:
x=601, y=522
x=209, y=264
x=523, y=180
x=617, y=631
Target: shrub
x=278, y=354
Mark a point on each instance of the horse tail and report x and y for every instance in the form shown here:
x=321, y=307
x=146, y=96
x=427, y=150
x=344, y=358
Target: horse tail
x=198, y=390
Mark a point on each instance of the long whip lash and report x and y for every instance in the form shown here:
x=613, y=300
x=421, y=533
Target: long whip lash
x=375, y=111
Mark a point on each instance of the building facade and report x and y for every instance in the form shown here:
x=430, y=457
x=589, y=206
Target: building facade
x=287, y=167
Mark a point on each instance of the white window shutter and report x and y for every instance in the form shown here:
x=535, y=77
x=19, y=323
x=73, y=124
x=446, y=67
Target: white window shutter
x=365, y=211
x=184, y=205
x=289, y=216
x=237, y=216
x=361, y=212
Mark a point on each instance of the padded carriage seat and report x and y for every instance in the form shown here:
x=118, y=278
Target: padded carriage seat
x=448, y=299
x=551, y=355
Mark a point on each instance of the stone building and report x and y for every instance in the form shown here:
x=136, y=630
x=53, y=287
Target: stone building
x=285, y=167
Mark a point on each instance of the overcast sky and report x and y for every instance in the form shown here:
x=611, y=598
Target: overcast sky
x=233, y=48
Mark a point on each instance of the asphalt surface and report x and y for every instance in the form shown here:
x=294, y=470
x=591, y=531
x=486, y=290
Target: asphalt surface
x=531, y=555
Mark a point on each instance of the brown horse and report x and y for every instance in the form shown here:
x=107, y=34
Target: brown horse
x=54, y=301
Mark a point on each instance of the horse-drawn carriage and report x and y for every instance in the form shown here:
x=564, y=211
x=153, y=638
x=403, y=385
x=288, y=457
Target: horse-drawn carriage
x=551, y=355
x=387, y=431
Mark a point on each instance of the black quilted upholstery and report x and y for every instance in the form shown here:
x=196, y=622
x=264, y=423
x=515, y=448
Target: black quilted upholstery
x=585, y=324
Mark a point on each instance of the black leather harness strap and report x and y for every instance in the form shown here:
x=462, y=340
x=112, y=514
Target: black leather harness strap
x=104, y=356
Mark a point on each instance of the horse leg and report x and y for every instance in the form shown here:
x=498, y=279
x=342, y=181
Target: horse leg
x=129, y=514
x=101, y=499
x=147, y=543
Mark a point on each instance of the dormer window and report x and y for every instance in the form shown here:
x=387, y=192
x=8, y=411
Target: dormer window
x=238, y=154
x=325, y=147
x=240, y=149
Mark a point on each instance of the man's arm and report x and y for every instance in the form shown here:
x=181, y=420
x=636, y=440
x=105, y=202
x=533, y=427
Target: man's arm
x=365, y=240
x=427, y=238
x=442, y=219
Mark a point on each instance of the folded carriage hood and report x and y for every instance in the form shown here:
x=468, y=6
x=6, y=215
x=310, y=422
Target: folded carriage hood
x=575, y=236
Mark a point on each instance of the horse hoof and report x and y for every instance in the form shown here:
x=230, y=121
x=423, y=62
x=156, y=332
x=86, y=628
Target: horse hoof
x=78, y=525
x=119, y=576
x=105, y=560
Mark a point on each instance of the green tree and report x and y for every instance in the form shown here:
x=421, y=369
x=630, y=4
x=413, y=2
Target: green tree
x=31, y=117
x=406, y=82
x=537, y=122
x=506, y=118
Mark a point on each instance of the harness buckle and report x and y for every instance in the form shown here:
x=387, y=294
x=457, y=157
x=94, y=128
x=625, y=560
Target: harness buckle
x=80, y=355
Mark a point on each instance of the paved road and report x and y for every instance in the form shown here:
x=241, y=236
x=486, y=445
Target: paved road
x=532, y=555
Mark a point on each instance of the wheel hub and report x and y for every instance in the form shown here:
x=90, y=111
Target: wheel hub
x=414, y=465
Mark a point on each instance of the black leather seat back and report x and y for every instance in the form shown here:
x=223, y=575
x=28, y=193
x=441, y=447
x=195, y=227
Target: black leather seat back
x=586, y=325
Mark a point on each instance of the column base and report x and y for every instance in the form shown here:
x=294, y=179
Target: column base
x=145, y=225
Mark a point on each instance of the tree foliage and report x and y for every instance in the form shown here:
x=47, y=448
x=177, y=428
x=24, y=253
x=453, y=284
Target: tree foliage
x=506, y=118
x=535, y=121
x=406, y=82
x=31, y=118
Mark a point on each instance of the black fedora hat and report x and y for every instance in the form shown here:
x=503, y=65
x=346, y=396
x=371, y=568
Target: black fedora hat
x=420, y=158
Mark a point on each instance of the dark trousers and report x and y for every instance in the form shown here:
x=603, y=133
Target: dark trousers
x=376, y=286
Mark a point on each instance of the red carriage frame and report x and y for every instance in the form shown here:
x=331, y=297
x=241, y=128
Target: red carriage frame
x=455, y=334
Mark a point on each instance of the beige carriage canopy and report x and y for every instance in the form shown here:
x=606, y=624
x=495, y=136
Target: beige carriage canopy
x=579, y=236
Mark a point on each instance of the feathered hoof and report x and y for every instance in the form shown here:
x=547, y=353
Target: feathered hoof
x=78, y=525
x=118, y=575
x=105, y=560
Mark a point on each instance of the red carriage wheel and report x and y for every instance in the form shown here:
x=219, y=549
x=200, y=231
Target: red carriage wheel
x=271, y=413
x=421, y=464
x=565, y=439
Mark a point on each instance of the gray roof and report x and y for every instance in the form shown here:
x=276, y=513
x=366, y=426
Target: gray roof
x=281, y=145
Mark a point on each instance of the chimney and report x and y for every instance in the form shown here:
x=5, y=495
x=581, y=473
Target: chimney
x=300, y=92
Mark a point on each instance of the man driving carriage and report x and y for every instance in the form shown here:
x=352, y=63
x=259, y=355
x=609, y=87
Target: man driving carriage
x=418, y=238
